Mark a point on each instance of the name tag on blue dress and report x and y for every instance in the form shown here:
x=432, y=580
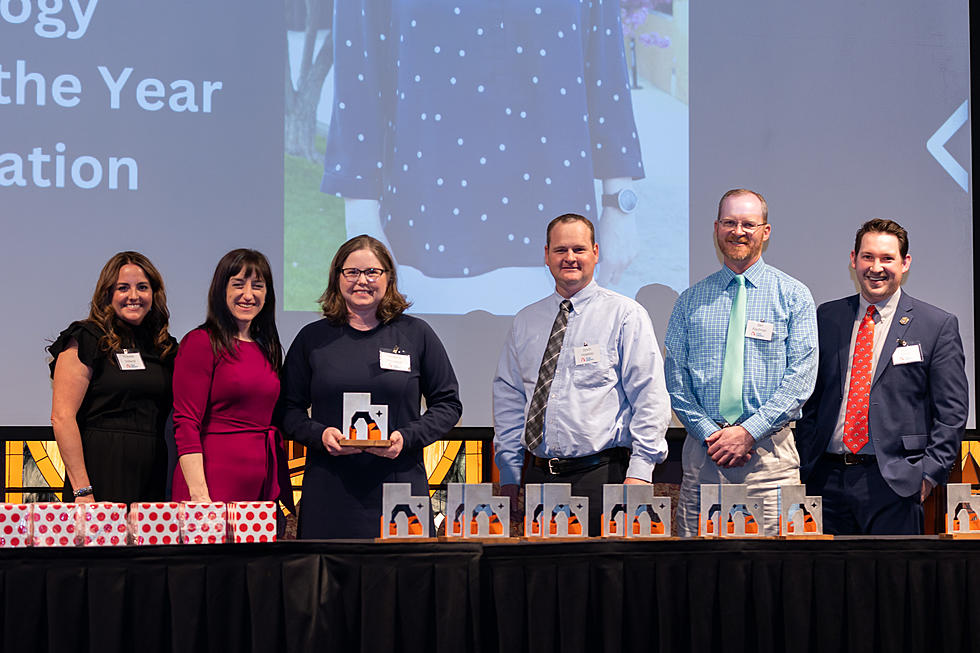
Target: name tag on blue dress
x=391, y=360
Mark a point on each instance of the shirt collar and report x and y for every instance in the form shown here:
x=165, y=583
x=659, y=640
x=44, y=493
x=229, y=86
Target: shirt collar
x=579, y=298
x=752, y=276
x=885, y=309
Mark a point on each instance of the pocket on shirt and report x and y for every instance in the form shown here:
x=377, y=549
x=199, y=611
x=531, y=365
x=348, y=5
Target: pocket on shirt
x=593, y=375
x=776, y=344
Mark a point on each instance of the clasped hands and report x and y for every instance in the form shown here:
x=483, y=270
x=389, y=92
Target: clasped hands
x=730, y=446
x=331, y=441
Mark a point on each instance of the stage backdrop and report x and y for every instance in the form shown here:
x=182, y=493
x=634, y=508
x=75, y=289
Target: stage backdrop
x=455, y=131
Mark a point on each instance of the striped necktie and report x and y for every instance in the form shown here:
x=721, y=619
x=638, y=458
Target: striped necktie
x=534, y=429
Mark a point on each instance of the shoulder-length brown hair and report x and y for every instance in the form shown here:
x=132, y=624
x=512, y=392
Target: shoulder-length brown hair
x=118, y=334
x=220, y=323
x=332, y=302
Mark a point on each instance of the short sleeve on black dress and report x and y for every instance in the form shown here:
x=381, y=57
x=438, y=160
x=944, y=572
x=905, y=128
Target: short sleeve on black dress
x=86, y=335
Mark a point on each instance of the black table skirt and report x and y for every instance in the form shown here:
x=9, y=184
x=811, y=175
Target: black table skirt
x=712, y=596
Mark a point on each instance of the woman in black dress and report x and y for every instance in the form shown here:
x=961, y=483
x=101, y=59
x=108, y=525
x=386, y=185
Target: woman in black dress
x=112, y=391
x=364, y=344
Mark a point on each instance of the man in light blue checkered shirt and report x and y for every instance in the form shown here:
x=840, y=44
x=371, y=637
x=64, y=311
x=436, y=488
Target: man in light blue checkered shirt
x=779, y=369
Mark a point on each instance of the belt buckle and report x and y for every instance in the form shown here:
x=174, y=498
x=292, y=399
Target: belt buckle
x=851, y=459
x=553, y=466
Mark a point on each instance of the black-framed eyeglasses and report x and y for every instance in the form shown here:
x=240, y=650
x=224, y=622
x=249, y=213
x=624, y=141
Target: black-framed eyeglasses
x=353, y=274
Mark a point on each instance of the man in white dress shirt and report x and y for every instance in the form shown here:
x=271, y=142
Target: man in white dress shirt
x=601, y=409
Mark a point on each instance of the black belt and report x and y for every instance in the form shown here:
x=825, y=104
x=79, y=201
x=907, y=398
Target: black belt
x=850, y=458
x=561, y=466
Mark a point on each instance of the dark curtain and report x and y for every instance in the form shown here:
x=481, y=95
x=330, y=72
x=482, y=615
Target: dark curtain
x=708, y=596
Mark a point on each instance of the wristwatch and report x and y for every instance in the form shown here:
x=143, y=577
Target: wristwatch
x=86, y=491
x=625, y=200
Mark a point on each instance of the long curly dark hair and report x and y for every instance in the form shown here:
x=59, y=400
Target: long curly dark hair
x=118, y=333
x=220, y=323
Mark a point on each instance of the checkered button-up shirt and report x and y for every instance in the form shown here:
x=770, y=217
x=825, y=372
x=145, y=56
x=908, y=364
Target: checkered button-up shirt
x=779, y=373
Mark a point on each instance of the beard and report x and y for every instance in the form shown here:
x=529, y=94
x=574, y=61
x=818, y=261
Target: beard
x=743, y=249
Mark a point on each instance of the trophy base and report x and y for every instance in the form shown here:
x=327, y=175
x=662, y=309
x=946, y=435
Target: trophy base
x=402, y=540
x=480, y=539
x=639, y=538
x=364, y=443
x=959, y=536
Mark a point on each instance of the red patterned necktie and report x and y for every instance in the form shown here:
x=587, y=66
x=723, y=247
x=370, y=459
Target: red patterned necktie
x=856, y=417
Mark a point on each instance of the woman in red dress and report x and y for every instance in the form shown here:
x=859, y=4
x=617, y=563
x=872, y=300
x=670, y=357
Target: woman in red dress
x=226, y=382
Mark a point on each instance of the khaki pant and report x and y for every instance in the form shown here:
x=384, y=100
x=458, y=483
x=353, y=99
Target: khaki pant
x=774, y=462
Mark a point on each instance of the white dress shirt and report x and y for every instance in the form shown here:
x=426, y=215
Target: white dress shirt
x=618, y=400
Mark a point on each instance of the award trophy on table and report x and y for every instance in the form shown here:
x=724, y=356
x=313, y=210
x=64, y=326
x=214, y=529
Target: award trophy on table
x=550, y=510
x=800, y=516
x=709, y=516
x=962, y=511
x=743, y=515
x=728, y=511
x=473, y=512
x=402, y=515
x=633, y=511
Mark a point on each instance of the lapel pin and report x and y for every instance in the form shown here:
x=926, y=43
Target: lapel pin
x=904, y=320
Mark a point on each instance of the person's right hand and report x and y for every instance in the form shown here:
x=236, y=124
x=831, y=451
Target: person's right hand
x=331, y=441
x=516, y=515
x=731, y=446
x=511, y=492
x=86, y=499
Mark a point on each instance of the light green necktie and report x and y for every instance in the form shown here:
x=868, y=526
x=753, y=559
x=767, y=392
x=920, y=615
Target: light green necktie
x=730, y=401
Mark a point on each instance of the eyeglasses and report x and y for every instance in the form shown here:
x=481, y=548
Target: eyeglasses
x=353, y=274
x=747, y=227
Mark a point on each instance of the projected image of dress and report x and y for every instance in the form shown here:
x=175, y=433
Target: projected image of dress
x=475, y=124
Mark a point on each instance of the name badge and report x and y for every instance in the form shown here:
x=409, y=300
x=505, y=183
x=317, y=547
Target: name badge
x=586, y=354
x=391, y=360
x=758, y=330
x=907, y=354
x=130, y=361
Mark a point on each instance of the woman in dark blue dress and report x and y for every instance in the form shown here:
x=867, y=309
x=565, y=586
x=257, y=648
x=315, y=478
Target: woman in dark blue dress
x=364, y=344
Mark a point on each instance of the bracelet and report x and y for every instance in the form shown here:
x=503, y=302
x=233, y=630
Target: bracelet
x=86, y=491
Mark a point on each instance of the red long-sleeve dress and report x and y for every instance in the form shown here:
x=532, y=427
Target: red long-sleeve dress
x=223, y=410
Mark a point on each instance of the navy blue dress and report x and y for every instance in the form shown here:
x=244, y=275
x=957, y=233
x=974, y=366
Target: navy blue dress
x=475, y=124
x=342, y=494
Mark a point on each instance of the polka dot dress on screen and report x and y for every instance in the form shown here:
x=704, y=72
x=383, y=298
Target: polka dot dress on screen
x=474, y=124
